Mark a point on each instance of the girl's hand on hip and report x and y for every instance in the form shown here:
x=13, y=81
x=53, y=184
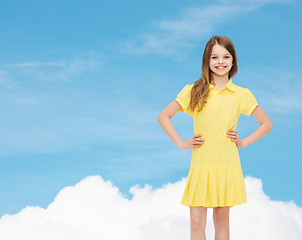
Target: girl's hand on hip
x=193, y=142
x=235, y=138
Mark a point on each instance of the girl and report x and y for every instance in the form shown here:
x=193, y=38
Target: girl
x=215, y=179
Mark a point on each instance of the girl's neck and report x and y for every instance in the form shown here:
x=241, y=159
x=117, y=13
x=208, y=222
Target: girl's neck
x=220, y=81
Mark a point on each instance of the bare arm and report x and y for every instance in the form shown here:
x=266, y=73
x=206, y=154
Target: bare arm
x=166, y=124
x=265, y=127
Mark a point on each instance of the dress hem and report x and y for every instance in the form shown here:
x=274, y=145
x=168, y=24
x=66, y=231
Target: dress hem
x=212, y=205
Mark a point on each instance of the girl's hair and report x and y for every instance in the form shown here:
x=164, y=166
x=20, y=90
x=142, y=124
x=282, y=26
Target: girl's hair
x=200, y=89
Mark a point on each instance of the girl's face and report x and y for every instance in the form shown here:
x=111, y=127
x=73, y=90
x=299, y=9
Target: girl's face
x=220, y=61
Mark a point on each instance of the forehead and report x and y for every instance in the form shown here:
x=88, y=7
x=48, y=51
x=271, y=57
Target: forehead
x=219, y=50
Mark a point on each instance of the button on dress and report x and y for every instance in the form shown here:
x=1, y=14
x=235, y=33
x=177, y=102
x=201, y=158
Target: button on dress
x=215, y=176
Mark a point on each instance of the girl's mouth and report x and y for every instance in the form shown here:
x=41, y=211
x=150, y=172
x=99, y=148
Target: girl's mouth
x=221, y=67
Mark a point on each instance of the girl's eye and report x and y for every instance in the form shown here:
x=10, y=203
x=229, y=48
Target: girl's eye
x=225, y=57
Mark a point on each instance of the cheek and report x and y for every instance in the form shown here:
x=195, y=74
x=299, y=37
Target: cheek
x=212, y=67
x=212, y=64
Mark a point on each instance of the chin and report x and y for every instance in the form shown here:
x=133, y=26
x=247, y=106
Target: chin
x=220, y=74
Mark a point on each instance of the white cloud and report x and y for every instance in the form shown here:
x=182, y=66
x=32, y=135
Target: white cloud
x=252, y=4
x=60, y=70
x=168, y=37
x=95, y=209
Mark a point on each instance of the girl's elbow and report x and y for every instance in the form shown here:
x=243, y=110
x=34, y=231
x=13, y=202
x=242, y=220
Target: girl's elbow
x=270, y=126
x=159, y=117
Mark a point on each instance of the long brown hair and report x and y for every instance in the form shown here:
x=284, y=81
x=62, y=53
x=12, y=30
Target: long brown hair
x=201, y=87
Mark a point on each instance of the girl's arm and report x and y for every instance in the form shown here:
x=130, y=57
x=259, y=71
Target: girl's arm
x=166, y=124
x=265, y=127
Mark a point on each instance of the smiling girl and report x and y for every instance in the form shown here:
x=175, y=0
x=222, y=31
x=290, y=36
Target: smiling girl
x=215, y=179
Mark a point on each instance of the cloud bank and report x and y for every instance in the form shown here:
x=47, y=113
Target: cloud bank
x=185, y=30
x=96, y=209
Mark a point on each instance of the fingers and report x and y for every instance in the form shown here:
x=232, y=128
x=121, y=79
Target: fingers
x=196, y=146
x=197, y=141
x=197, y=138
x=197, y=135
x=233, y=134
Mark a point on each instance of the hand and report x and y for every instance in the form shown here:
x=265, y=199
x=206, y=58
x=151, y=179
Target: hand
x=235, y=138
x=192, y=142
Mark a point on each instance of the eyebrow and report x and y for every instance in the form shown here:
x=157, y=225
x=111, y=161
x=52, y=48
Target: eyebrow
x=224, y=54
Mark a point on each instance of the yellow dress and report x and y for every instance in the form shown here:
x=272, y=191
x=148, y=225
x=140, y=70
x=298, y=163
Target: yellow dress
x=215, y=176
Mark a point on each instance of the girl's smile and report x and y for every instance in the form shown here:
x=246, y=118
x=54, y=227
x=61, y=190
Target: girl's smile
x=221, y=67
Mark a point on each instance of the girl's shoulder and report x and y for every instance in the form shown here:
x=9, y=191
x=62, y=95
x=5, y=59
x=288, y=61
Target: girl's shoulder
x=240, y=89
x=187, y=88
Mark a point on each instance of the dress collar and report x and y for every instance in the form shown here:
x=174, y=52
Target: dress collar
x=230, y=85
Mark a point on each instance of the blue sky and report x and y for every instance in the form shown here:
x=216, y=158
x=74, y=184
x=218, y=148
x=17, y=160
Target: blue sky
x=82, y=84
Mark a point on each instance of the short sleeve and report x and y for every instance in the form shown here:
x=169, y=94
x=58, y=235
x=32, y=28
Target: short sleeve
x=248, y=102
x=183, y=98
